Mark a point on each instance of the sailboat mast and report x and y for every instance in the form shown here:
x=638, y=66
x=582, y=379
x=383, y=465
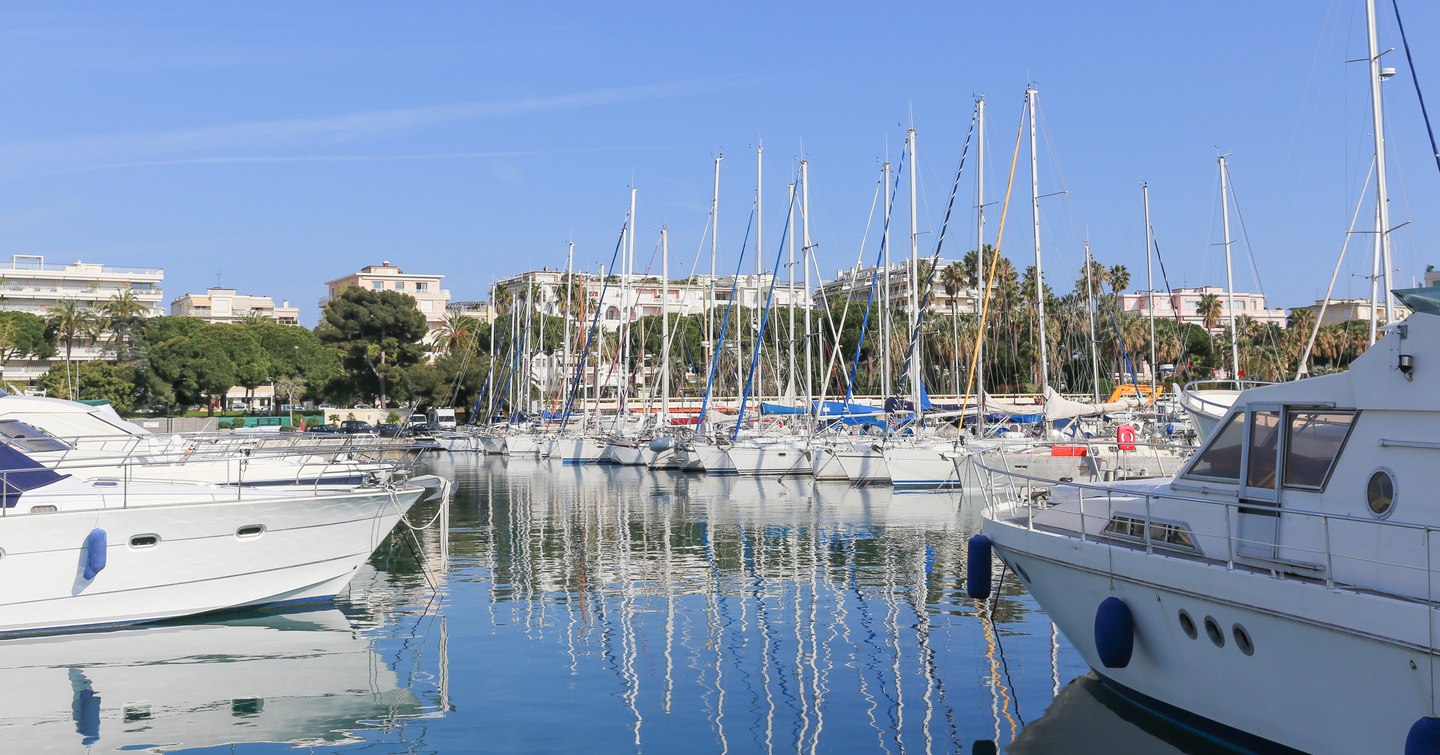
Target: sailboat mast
x=714, y=251
x=1149, y=286
x=1229, y=270
x=979, y=261
x=494, y=388
x=759, y=271
x=805, y=263
x=790, y=289
x=1090, y=312
x=569, y=313
x=628, y=311
x=665, y=324
x=913, y=336
x=885, y=290
x=1030, y=97
x=1382, y=192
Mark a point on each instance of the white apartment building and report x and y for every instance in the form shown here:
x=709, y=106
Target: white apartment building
x=429, y=297
x=224, y=305
x=856, y=283
x=1182, y=304
x=619, y=300
x=30, y=284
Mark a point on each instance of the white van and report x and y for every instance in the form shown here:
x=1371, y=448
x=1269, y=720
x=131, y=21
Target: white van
x=443, y=419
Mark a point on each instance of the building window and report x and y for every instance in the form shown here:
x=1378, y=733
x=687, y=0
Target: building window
x=422, y=286
x=612, y=313
x=378, y=285
x=399, y=285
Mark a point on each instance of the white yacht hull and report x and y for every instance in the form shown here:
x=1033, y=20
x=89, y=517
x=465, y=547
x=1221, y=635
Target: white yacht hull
x=627, y=454
x=922, y=468
x=577, y=450
x=713, y=459
x=824, y=465
x=863, y=465
x=490, y=444
x=522, y=446
x=1294, y=688
x=768, y=459
x=308, y=551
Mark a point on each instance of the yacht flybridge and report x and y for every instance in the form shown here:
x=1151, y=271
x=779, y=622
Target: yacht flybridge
x=1282, y=586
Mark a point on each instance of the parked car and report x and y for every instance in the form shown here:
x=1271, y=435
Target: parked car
x=356, y=427
x=331, y=429
x=390, y=430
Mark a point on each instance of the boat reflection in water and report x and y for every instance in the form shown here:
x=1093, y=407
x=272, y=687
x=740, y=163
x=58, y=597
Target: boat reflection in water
x=1087, y=716
x=306, y=678
x=676, y=613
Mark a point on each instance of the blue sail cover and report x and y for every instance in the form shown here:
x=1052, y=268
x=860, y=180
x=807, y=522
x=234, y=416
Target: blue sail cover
x=821, y=409
x=19, y=473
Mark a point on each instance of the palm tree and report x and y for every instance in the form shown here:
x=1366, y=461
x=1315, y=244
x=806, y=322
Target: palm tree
x=952, y=278
x=124, y=304
x=457, y=332
x=69, y=321
x=1209, y=309
x=1119, y=278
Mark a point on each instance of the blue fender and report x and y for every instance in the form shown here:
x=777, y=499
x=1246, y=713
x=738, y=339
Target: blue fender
x=977, y=568
x=1424, y=736
x=1114, y=633
x=95, y=547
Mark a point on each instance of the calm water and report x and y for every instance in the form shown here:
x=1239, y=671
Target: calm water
x=605, y=610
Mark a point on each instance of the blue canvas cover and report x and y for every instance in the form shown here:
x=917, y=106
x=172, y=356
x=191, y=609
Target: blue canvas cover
x=19, y=473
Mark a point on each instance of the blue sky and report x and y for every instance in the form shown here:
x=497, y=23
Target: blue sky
x=281, y=145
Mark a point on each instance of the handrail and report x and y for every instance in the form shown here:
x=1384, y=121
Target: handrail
x=1187, y=392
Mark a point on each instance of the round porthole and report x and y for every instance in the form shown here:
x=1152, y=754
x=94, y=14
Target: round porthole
x=1242, y=640
x=1212, y=630
x=1187, y=625
x=1380, y=492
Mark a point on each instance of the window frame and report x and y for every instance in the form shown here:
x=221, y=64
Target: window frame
x=1223, y=425
x=1290, y=411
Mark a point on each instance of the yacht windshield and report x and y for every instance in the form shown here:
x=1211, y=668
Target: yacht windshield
x=1221, y=459
x=27, y=437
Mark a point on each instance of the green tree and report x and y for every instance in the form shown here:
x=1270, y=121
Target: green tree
x=23, y=335
x=95, y=380
x=377, y=335
x=204, y=365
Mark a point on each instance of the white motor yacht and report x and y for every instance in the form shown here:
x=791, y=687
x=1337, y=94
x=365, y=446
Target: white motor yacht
x=1281, y=589
x=89, y=553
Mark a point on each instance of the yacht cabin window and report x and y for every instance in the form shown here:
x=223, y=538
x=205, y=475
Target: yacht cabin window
x=27, y=437
x=1264, y=449
x=1221, y=459
x=1313, y=440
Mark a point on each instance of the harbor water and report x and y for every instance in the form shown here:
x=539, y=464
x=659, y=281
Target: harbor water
x=556, y=608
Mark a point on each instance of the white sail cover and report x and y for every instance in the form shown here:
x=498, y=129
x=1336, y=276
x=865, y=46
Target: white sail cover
x=997, y=406
x=1059, y=407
